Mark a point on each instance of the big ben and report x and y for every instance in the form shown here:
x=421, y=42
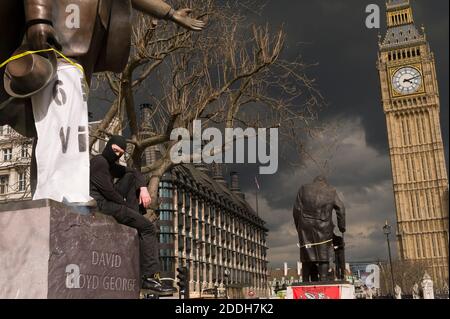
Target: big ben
x=411, y=104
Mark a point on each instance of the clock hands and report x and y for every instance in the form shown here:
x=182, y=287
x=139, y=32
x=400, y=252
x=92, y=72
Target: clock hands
x=409, y=80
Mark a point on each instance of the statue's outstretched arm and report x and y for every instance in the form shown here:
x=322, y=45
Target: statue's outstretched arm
x=161, y=10
x=40, y=32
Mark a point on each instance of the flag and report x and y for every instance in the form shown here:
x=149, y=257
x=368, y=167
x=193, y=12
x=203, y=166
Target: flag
x=256, y=182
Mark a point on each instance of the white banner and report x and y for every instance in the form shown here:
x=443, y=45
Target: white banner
x=61, y=117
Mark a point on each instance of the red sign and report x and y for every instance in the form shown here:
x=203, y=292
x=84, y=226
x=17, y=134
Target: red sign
x=316, y=292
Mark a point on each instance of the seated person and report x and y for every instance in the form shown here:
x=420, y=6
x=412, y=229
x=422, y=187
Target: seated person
x=125, y=200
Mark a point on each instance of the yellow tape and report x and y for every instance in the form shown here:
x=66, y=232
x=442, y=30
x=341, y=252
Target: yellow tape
x=21, y=55
x=308, y=246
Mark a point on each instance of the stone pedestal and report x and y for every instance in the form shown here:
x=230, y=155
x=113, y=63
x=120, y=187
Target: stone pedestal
x=321, y=290
x=47, y=250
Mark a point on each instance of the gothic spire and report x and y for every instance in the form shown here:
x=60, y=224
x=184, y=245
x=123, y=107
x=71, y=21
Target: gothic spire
x=401, y=29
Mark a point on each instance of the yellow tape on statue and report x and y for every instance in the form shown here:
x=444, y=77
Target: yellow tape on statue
x=23, y=54
x=309, y=246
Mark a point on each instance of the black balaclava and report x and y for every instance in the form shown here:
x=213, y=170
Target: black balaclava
x=108, y=152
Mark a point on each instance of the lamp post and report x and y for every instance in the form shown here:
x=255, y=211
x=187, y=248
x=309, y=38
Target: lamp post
x=387, y=232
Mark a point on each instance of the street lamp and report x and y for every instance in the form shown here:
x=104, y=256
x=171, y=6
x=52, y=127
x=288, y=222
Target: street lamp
x=387, y=232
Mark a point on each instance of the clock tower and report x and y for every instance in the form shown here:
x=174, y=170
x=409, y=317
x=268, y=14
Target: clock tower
x=410, y=94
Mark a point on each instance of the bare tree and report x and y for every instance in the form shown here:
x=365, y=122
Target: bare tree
x=406, y=274
x=231, y=75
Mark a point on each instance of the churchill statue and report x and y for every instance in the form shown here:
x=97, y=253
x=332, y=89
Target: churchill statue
x=312, y=212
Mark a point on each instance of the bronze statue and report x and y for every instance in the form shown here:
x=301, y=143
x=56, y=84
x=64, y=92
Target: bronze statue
x=101, y=42
x=313, y=220
x=339, y=256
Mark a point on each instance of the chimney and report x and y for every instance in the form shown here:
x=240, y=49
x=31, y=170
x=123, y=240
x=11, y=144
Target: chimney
x=235, y=185
x=145, y=120
x=234, y=182
x=217, y=173
x=203, y=167
x=151, y=154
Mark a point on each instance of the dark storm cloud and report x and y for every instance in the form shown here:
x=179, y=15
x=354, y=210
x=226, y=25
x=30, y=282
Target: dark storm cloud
x=369, y=201
x=333, y=34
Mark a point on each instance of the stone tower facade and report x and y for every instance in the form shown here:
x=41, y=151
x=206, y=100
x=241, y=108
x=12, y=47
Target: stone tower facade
x=411, y=104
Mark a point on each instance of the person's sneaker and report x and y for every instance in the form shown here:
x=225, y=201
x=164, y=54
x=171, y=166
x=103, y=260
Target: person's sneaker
x=154, y=284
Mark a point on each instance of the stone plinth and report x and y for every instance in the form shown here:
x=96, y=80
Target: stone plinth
x=321, y=290
x=47, y=250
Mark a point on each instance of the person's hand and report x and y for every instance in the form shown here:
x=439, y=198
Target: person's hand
x=144, y=197
x=41, y=36
x=181, y=17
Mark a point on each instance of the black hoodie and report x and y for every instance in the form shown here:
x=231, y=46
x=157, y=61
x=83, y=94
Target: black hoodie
x=104, y=169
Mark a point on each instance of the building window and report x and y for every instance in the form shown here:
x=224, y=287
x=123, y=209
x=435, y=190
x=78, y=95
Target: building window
x=24, y=152
x=166, y=235
x=5, y=130
x=4, y=181
x=166, y=215
x=22, y=182
x=165, y=190
x=7, y=154
x=181, y=240
x=166, y=257
x=166, y=206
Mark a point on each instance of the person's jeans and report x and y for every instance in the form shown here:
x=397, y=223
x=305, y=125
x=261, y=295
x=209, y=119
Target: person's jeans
x=129, y=215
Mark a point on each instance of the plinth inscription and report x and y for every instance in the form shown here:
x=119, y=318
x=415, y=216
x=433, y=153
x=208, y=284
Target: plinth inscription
x=49, y=251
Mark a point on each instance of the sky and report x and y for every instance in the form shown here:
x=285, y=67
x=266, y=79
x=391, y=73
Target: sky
x=332, y=33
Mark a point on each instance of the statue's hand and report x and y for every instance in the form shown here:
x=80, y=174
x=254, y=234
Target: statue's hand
x=41, y=36
x=181, y=17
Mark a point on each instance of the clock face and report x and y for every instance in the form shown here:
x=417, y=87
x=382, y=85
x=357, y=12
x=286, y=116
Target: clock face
x=407, y=80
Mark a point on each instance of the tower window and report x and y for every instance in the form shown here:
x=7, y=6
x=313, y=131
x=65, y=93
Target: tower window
x=4, y=181
x=418, y=52
x=7, y=154
x=22, y=182
x=409, y=54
